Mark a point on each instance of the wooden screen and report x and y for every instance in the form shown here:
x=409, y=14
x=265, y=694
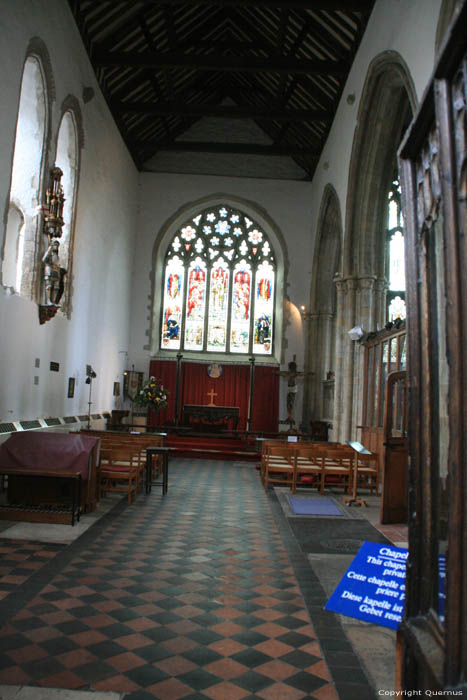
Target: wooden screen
x=432, y=640
x=384, y=417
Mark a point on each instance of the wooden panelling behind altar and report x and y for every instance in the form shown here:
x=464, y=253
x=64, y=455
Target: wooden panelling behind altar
x=231, y=388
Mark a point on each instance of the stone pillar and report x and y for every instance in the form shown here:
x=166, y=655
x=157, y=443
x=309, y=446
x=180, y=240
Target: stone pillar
x=366, y=303
x=348, y=351
x=365, y=316
x=338, y=358
x=309, y=394
x=381, y=286
x=321, y=360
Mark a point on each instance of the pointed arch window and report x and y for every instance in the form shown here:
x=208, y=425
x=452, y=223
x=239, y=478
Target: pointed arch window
x=219, y=285
x=21, y=241
x=395, y=297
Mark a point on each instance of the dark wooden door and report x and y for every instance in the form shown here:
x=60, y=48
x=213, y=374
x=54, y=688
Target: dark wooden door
x=432, y=640
x=395, y=471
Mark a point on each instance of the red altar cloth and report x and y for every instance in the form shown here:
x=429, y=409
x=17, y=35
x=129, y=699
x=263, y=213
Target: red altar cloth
x=44, y=452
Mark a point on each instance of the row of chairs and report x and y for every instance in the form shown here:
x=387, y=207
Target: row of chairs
x=288, y=463
x=122, y=461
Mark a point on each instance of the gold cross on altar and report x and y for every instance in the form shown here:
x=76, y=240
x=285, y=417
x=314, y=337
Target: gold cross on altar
x=211, y=395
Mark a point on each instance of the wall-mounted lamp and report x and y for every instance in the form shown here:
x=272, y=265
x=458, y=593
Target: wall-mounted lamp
x=90, y=374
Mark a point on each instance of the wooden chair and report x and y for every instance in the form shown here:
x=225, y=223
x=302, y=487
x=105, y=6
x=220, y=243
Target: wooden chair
x=137, y=441
x=368, y=472
x=264, y=452
x=338, y=461
x=119, y=470
x=308, y=462
x=279, y=465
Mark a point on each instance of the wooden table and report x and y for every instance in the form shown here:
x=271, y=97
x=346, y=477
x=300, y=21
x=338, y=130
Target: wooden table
x=164, y=453
x=42, y=466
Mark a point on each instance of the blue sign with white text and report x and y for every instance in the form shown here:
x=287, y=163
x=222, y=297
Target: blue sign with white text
x=373, y=587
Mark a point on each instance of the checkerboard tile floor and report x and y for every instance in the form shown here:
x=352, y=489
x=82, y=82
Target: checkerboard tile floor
x=188, y=595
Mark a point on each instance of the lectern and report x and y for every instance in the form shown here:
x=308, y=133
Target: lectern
x=359, y=449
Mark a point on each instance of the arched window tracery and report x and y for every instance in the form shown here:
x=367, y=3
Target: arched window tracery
x=219, y=285
x=67, y=160
x=21, y=240
x=395, y=298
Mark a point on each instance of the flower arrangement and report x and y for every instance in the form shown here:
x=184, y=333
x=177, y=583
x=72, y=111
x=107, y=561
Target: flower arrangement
x=152, y=394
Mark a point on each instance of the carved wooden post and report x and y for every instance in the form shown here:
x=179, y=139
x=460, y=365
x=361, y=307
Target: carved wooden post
x=177, y=388
x=250, y=398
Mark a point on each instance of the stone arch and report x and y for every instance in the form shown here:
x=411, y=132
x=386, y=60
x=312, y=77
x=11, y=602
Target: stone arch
x=12, y=247
x=386, y=107
x=387, y=103
x=328, y=251
x=71, y=104
x=38, y=49
x=169, y=229
x=445, y=15
x=321, y=335
x=29, y=164
x=70, y=141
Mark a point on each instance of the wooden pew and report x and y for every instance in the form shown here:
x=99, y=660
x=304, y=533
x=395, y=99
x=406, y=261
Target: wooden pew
x=308, y=461
x=337, y=461
x=322, y=460
x=135, y=443
x=278, y=465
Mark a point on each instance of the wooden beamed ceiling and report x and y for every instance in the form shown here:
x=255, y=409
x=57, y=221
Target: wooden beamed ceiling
x=164, y=66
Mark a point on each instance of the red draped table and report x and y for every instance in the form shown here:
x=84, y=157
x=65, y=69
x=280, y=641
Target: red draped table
x=46, y=471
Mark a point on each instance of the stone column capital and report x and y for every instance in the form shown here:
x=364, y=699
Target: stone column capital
x=340, y=284
x=352, y=283
x=381, y=284
x=367, y=282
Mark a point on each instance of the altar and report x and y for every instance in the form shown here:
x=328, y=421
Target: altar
x=211, y=414
x=245, y=394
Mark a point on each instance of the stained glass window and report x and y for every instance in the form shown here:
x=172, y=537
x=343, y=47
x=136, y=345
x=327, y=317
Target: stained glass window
x=264, y=295
x=219, y=285
x=395, y=254
x=173, y=295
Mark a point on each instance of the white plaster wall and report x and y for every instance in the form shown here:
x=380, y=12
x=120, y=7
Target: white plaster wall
x=405, y=26
x=97, y=332
x=287, y=204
